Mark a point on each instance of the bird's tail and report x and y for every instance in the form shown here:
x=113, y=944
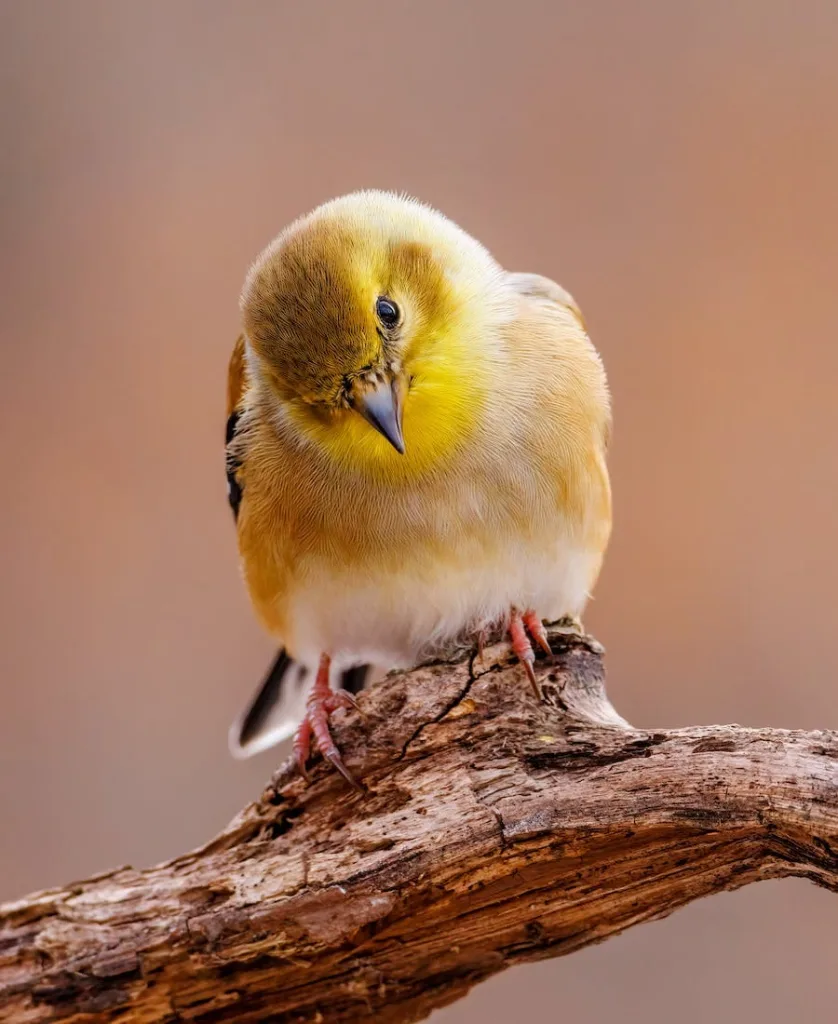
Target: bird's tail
x=278, y=706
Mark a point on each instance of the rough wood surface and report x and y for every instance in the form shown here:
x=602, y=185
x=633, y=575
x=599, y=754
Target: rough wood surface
x=495, y=830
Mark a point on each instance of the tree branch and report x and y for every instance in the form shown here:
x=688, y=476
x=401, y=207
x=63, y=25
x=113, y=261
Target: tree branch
x=495, y=830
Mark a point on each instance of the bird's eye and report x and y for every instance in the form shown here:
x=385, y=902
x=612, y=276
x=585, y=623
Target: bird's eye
x=387, y=311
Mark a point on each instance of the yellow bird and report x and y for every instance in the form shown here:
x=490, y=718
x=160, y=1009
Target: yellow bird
x=415, y=453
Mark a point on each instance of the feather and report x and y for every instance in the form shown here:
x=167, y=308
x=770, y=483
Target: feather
x=274, y=711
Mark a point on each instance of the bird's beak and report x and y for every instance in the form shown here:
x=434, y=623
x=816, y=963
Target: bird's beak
x=381, y=407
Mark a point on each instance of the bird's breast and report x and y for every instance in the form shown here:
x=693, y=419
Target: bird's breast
x=382, y=574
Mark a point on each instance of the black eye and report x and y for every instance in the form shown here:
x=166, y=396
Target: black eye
x=387, y=311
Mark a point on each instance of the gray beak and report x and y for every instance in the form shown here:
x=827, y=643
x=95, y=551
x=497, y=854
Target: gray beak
x=381, y=407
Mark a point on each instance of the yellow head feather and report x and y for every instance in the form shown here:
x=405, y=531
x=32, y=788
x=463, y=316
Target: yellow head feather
x=309, y=310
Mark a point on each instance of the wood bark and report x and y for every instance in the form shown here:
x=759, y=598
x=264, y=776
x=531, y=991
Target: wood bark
x=495, y=829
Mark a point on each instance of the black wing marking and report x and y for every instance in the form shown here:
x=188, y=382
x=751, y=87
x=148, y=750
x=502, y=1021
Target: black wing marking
x=237, y=384
x=234, y=487
x=265, y=700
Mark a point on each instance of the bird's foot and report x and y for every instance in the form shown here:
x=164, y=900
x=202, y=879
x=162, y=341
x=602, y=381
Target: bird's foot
x=519, y=624
x=322, y=701
x=537, y=631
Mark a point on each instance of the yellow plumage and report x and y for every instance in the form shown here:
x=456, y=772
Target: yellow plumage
x=501, y=497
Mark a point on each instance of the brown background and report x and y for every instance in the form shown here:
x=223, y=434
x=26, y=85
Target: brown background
x=674, y=165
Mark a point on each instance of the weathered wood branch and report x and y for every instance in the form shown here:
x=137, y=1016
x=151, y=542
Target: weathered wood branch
x=495, y=830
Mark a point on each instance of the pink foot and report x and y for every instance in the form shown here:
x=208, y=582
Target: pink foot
x=537, y=631
x=322, y=701
x=518, y=626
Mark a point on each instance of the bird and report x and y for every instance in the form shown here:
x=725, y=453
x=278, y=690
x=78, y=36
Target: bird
x=415, y=452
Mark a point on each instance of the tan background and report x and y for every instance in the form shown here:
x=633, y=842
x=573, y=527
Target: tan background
x=674, y=165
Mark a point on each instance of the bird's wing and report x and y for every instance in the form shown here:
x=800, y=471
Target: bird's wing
x=550, y=317
x=236, y=389
x=534, y=286
x=538, y=287
x=275, y=709
x=278, y=704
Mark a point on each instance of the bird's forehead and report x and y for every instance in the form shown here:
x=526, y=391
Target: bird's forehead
x=353, y=264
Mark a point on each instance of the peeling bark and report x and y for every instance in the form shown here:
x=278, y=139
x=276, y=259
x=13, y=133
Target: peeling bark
x=495, y=830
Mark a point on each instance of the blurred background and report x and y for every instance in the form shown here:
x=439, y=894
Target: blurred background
x=674, y=165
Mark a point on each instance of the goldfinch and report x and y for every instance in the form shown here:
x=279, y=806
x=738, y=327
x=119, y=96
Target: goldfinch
x=416, y=446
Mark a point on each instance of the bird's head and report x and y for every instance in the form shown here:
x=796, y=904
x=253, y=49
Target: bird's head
x=368, y=322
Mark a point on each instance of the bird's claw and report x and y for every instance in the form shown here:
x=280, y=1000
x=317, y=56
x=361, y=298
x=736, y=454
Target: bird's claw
x=341, y=699
x=335, y=758
x=521, y=645
x=322, y=702
x=537, y=631
x=528, y=668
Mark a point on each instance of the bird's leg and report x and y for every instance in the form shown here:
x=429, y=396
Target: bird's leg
x=537, y=631
x=321, y=702
x=523, y=648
